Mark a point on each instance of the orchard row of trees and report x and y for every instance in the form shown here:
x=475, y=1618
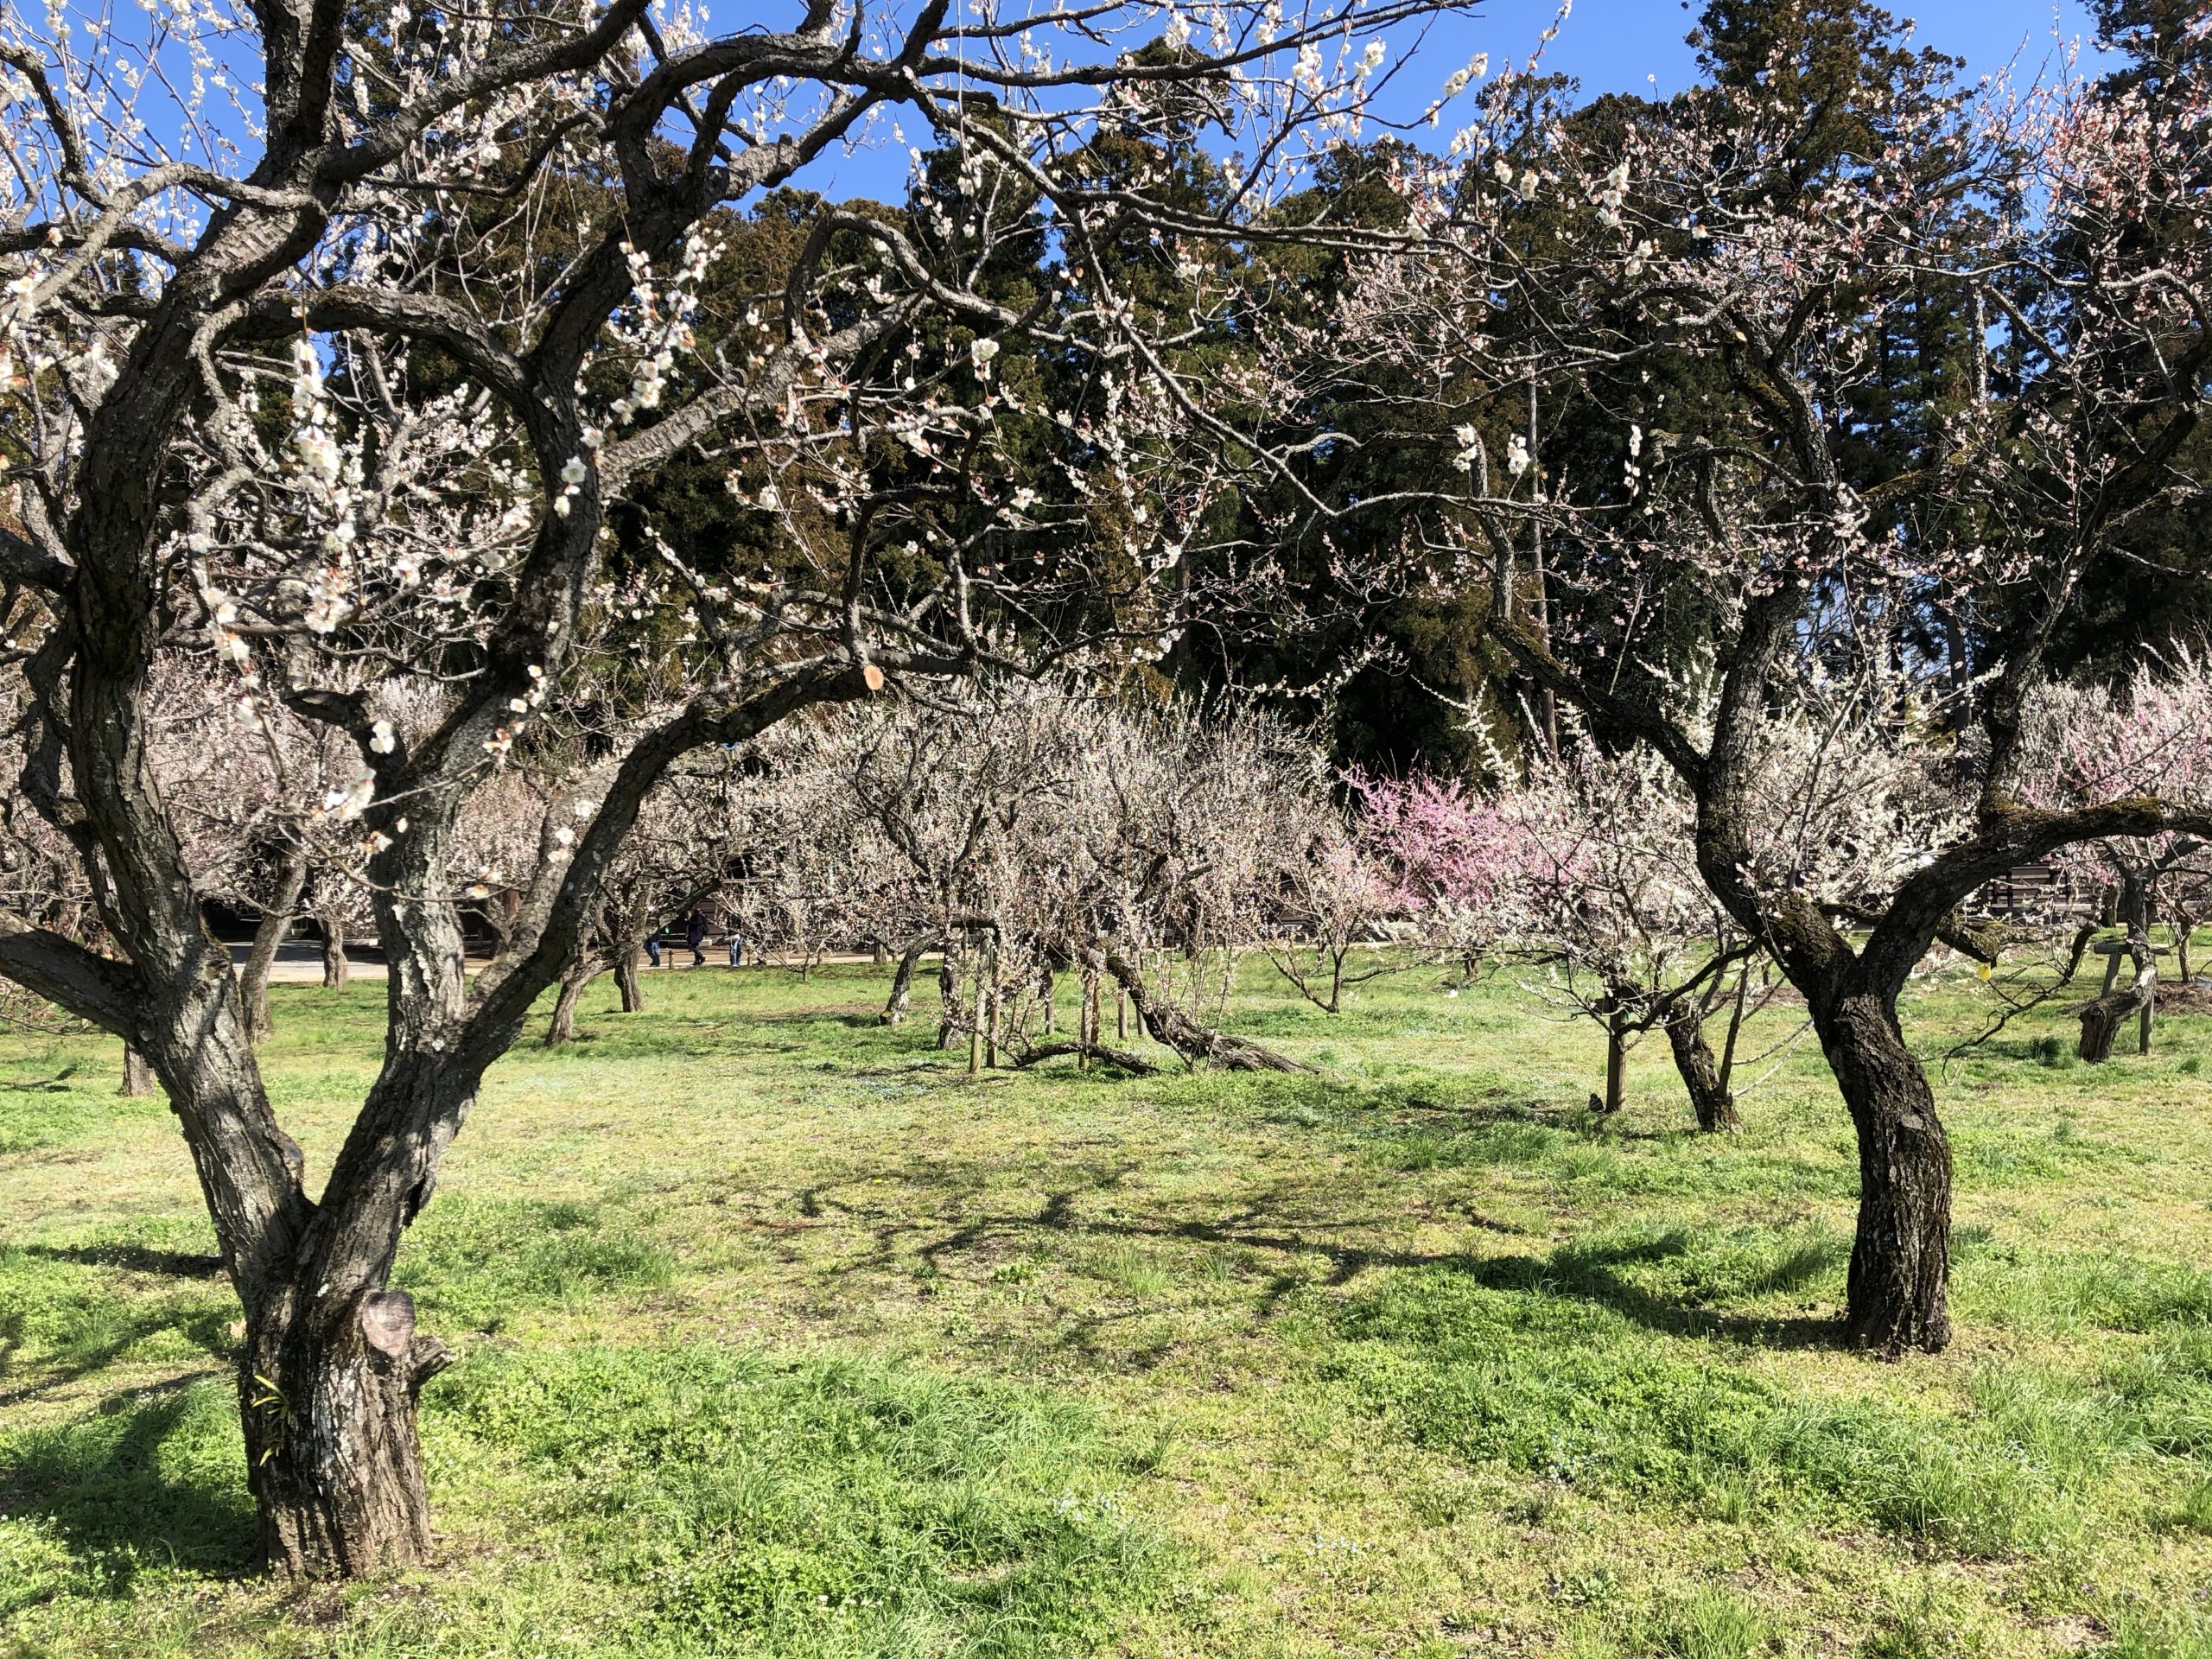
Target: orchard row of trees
x=1021, y=833
x=464, y=412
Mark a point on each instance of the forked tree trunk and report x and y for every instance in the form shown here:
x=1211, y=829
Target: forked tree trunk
x=626, y=980
x=329, y=1401
x=563, y=1027
x=137, y=1076
x=334, y=966
x=1901, y=1258
x=1701, y=1072
x=268, y=935
x=901, y=1001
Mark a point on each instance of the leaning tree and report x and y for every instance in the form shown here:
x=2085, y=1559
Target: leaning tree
x=357, y=369
x=1820, y=372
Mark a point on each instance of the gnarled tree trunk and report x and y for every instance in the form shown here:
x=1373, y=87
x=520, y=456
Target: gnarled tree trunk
x=1700, y=1073
x=328, y=1396
x=1900, y=1260
x=1195, y=1043
x=627, y=980
x=2102, y=1019
x=137, y=1076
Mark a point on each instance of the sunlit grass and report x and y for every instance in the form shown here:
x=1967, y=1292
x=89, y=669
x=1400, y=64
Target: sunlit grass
x=780, y=1335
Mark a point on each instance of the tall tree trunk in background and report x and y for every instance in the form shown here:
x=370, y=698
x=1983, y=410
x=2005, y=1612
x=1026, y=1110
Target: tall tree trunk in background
x=975, y=1020
x=1615, y=1058
x=948, y=990
x=1900, y=1260
x=991, y=1013
x=901, y=1001
x=1700, y=1073
x=137, y=1076
x=268, y=935
x=627, y=982
x=335, y=969
x=563, y=1027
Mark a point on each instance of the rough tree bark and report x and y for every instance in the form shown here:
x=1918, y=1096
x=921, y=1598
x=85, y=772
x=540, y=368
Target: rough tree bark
x=137, y=1076
x=1135, y=1064
x=2102, y=1019
x=625, y=978
x=1700, y=1073
x=561, y=1027
x=1616, y=1062
x=1900, y=1258
x=268, y=935
x=328, y=1397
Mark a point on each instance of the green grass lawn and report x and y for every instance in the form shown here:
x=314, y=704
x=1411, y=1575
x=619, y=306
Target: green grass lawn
x=781, y=1336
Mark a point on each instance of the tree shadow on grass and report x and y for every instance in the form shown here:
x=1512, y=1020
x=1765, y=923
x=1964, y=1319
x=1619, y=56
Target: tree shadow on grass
x=105, y=1332
x=133, y=1258
x=153, y=1479
x=1599, y=1272
x=1593, y=1272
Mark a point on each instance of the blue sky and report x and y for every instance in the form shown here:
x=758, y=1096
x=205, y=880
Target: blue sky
x=1617, y=46
x=1613, y=44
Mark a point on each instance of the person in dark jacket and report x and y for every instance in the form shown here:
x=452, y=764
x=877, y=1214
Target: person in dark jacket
x=695, y=935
